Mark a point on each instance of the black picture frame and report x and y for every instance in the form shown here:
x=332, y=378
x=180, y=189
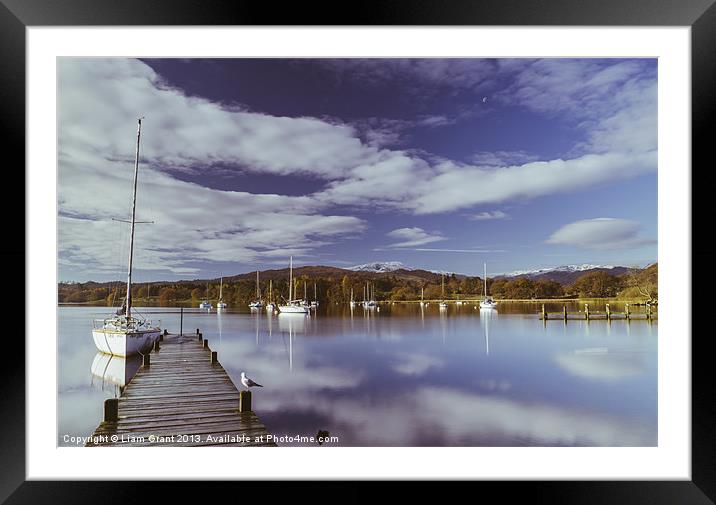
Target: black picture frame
x=700, y=15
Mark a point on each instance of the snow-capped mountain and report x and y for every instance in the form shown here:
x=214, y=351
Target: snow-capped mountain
x=380, y=267
x=390, y=266
x=564, y=268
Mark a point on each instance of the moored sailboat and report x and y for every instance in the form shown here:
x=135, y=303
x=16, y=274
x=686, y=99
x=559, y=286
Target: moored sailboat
x=292, y=306
x=443, y=303
x=270, y=306
x=206, y=304
x=487, y=302
x=258, y=302
x=221, y=304
x=124, y=334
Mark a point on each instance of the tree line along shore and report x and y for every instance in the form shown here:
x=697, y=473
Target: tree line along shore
x=636, y=285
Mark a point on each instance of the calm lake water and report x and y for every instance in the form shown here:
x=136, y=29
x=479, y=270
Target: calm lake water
x=405, y=377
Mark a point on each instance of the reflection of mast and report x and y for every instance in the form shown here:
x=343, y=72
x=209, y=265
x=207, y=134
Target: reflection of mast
x=256, y=321
x=487, y=335
x=218, y=314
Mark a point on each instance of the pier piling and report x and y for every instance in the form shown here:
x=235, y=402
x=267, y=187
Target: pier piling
x=146, y=360
x=206, y=343
x=244, y=401
x=111, y=410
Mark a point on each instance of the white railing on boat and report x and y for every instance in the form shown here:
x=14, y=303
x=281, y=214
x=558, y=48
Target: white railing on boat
x=122, y=324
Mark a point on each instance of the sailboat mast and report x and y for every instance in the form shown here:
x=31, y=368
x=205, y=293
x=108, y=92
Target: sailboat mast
x=131, y=232
x=258, y=291
x=485, y=265
x=270, y=290
x=290, y=279
x=221, y=289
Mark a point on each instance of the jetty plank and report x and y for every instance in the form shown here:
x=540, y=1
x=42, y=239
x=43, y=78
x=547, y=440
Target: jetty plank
x=181, y=399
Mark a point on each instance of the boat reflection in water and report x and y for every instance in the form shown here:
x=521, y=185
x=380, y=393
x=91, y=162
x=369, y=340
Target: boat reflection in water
x=111, y=372
x=291, y=323
x=487, y=315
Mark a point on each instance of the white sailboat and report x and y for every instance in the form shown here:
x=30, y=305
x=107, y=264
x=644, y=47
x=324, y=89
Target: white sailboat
x=314, y=303
x=353, y=302
x=125, y=334
x=270, y=306
x=292, y=306
x=487, y=302
x=206, y=304
x=443, y=304
x=221, y=304
x=370, y=302
x=258, y=303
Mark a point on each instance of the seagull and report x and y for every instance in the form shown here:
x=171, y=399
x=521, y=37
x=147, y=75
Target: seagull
x=248, y=382
x=484, y=99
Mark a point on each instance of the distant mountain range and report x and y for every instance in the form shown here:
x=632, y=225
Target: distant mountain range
x=380, y=267
x=565, y=274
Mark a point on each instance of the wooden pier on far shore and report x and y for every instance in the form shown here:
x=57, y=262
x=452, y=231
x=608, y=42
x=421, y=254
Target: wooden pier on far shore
x=608, y=314
x=181, y=396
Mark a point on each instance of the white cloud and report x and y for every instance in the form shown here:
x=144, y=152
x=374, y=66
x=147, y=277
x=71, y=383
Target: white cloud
x=489, y=215
x=192, y=223
x=100, y=99
x=600, y=233
x=417, y=364
x=455, y=187
x=609, y=366
x=412, y=237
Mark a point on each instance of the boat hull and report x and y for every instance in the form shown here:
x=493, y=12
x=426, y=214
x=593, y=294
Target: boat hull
x=293, y=309
x=123, y=342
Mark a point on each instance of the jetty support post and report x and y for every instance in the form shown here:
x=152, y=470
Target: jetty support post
x=544, y=313
x=156, y=344
x=648, y=310
x=111, y=410
x=201, y=336
x=564, y=311
x=244, y=401
x=146, y=360
x=626, y=311
x=206, y=343
x=586, y=311
x=609, y=313
x=213, y=357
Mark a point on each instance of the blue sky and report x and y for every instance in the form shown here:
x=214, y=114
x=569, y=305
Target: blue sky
x=437, y=163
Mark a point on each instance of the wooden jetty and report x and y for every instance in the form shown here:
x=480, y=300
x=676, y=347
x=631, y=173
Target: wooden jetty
x=181, y=396
x=588, y=315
